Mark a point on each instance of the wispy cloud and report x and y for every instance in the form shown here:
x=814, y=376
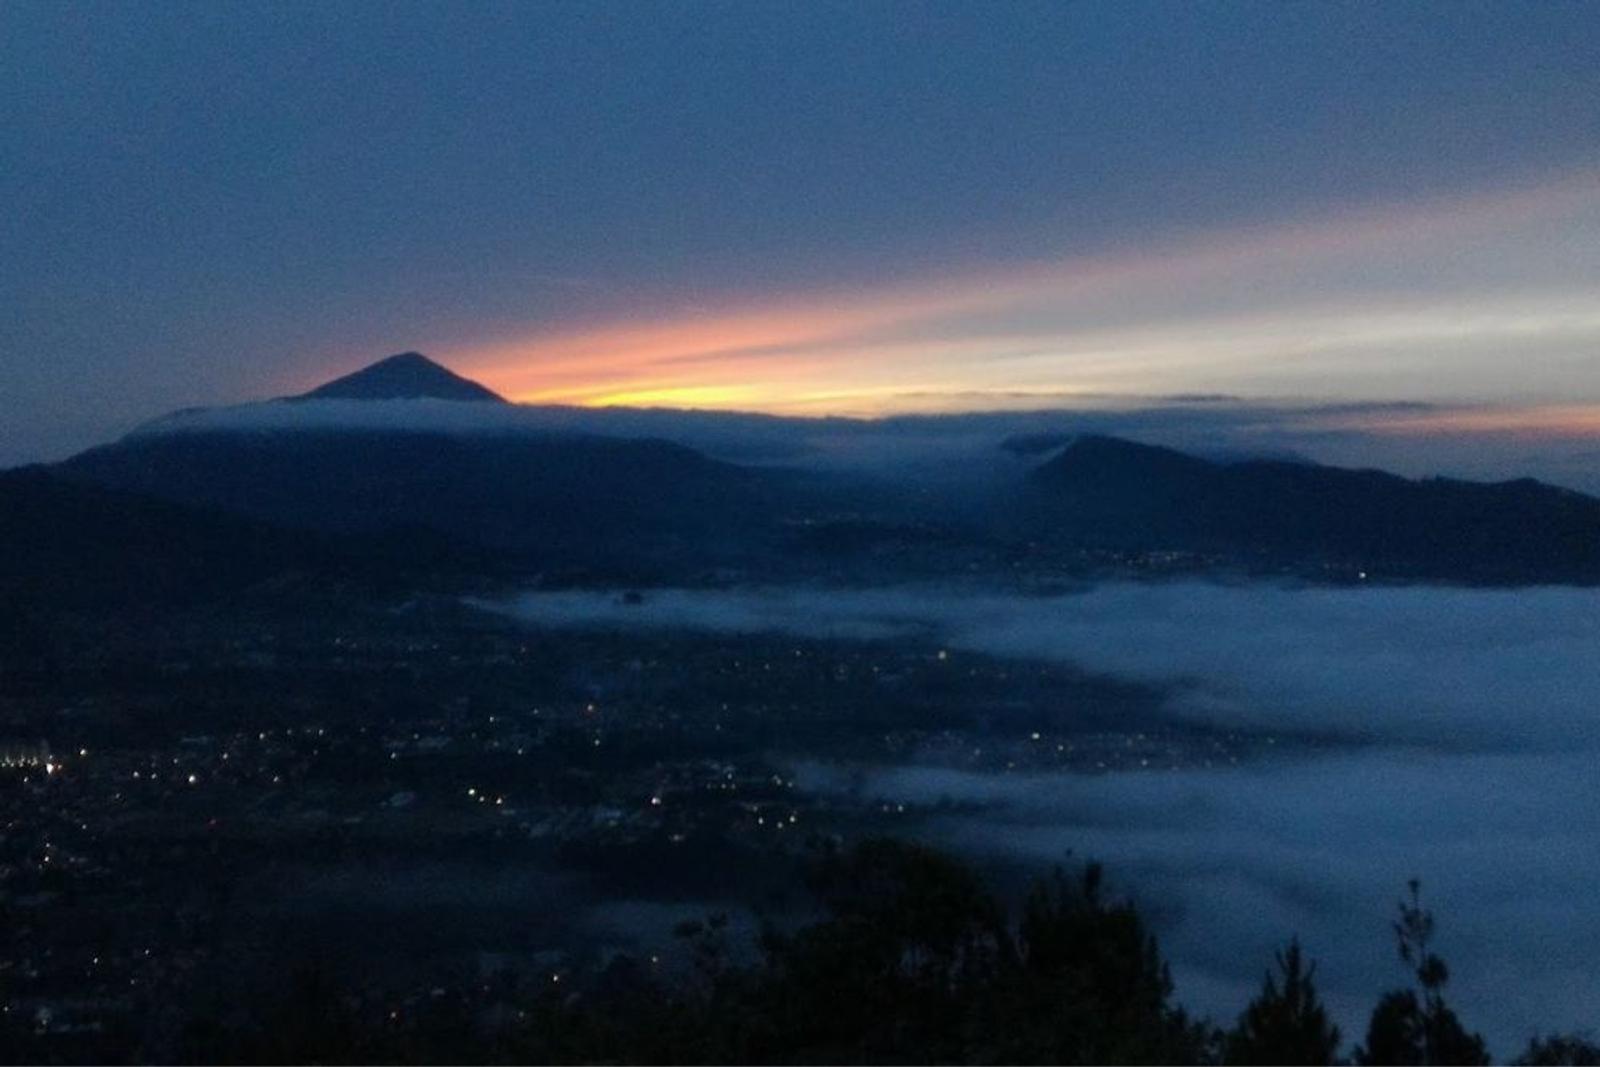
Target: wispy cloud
x=1468, y=298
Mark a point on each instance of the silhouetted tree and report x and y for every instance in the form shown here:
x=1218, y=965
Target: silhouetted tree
x=1090, y=986
x=1408, y=1028
x=1286, y=1024
x=1561, y=1050
x=1394, y=1033
x=911, y=941
x=911, y=961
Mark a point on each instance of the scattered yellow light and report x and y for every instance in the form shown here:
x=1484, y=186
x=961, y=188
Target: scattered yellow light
x=677, y=396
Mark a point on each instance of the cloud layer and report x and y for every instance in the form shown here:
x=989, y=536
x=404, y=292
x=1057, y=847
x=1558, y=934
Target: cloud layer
x=1485, y=443
x=1478, y=719
x=1457, y=668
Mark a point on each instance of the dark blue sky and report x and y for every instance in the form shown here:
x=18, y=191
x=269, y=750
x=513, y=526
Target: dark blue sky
x=214, y=202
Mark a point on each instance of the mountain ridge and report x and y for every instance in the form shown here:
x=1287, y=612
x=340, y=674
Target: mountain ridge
x=1121, y=494
x=555, y=495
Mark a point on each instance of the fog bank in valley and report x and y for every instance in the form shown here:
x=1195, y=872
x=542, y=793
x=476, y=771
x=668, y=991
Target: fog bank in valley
x=1439, y=666
x=1478, y=717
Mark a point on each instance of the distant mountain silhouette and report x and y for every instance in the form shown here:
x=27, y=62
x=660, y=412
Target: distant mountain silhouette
x=546, y=499
x=1108, y=492
x=536, y=499
x=407, y=376
x=1027, y=445
x=558, y=499
x=64, y=543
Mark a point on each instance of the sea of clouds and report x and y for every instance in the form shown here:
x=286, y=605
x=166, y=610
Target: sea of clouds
x=1475, y=722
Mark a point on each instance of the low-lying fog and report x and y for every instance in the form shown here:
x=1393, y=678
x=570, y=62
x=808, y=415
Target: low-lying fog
x=1479, y=713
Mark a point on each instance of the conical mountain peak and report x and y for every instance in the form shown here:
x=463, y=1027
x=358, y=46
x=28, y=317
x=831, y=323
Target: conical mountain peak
x=407, y=376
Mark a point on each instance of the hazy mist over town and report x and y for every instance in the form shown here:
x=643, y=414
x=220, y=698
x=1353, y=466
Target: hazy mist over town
x=896, y=532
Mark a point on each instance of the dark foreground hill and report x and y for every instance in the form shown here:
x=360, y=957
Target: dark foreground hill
x=1110, y=493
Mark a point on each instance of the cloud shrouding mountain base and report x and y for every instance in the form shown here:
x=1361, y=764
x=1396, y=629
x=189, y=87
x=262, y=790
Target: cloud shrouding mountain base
x=1414, y=440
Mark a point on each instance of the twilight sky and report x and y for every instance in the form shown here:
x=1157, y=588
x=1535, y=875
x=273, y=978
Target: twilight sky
x=809, y=207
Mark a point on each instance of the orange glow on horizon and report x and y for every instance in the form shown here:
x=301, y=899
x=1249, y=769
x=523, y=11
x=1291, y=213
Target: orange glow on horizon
x=937, y=343
x=688, y=397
